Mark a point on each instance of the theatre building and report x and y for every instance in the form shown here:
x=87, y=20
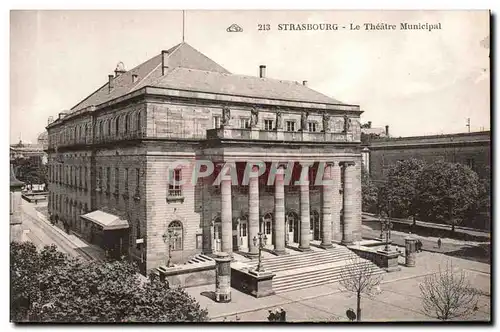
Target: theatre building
x=110, y=157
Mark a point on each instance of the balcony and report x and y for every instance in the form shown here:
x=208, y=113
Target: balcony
x=131, y=135
x=278, y=135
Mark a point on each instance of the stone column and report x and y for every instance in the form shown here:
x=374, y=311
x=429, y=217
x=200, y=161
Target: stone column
x=304, y=210
x=326, y=209
x=336, y=172
x=279, y=212
x=349, y=206
x=226, y=216
x=253, y=212
x=222, y=277
x=410, y=251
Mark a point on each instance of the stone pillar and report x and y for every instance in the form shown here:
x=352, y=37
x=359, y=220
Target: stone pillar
x=279, y=213
x=349, y=206
x=304, y=210
x=226, y=216
x=336, y=202
x=222, y=277
x=410, y=251
x=326, y=209
x=253, y=212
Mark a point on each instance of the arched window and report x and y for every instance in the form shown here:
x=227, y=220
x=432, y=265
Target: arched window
x=138, y=121
x=117, y=125
x=85, y=128
x=77, y=132
x=109, y=127
x=126, y=122
x=175, y=230
x=101, y=128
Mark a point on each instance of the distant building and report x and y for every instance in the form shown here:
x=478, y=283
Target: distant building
x=34, y=152
x=471, y=149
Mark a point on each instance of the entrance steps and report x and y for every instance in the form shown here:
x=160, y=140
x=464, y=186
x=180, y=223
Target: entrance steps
x=313, y=268
x=200, y=258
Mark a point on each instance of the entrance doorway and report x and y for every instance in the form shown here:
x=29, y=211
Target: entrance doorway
x=243, y=235
x=216, y=245
x=267, y=227
x=293, y=227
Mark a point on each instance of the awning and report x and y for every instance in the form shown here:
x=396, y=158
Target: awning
x=106, y=220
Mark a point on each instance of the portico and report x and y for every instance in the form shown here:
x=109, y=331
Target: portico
x=293, y=210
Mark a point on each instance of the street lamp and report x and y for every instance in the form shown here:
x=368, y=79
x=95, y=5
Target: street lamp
x=262, y=242
x=386, y=227
x=169, y=236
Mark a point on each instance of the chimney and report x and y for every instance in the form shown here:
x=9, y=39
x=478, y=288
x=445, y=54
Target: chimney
x=262, y=71
x=369, y=124
x=111, y=78
x=164, y=62
x=387, y=131
x=304, y=83
x=134, y=78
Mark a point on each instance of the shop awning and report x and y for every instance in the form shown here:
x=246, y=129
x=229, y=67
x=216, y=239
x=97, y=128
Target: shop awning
x=106, y=220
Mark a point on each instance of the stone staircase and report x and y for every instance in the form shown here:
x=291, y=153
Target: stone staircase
x=199, y=258
x=312, y=268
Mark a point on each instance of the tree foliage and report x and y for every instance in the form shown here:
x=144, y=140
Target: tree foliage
x=399, y=195
x=369, y=192
x=49, y=286
x=446, y=295
x=446, y=191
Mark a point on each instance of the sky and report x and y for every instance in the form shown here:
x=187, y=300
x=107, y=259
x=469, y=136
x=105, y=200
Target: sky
x=417, y=82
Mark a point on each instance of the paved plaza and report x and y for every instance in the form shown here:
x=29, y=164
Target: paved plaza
x=398, y=299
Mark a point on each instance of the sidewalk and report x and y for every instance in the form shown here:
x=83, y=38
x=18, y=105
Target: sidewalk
x=458, y=229
x=88, y=250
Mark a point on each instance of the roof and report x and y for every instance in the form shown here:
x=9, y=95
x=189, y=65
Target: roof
x=189, y=69
x=106, y=220
x=222, y=83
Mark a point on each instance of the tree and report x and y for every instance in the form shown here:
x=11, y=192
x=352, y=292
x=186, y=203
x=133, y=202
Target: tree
x=446, y=295
x=398, y=195
x=49, y=286
x=369, y=192
x=359, y=277
x=446, y=191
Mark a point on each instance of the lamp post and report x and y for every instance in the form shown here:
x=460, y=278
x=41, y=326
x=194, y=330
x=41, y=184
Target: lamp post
x=386, y=227
x=168, y=237
x=262, y=242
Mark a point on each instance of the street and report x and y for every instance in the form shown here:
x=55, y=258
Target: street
x=39, y=231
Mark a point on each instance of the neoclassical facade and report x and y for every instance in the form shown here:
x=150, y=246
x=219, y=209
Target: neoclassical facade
x=111, y=157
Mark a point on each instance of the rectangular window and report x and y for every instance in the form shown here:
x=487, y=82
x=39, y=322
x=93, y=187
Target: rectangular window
x=174, y=189
x=470, y=163
x=99, y=178
x=126, y=180
x=108, y=179
x=268, y=124
x=312, y=126
x=80, y=180
x=216, y=121
x=85, y=178
x=244, y=123
x=137, y=179
x=290, y=126
x=268, y=227
x=117, y=179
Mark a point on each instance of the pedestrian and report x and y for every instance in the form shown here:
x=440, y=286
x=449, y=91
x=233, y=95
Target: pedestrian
x=283, y=315
x=271, y=316
x=439, y=243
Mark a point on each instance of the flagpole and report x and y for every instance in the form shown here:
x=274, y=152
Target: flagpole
x=183, y=26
